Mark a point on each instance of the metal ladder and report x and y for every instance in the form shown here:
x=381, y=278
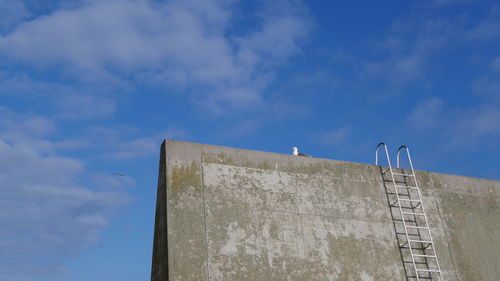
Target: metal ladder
x=417, y=237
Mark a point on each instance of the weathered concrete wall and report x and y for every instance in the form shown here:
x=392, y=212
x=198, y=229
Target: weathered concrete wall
x=232, y=214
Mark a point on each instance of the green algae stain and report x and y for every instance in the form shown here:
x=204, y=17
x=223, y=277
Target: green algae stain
x=264, y=166
x=313, y=167
x=219, y=158
x=186, y=176
x=223, y=159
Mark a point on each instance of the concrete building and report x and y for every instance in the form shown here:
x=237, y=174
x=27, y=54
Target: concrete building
x=233, y=214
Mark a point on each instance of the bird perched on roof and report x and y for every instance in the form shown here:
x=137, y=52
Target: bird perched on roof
x=297, y=153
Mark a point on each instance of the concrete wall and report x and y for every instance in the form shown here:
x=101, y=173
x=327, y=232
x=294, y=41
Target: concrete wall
x=232, y=214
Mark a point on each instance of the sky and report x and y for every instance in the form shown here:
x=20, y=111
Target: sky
x=90, y=88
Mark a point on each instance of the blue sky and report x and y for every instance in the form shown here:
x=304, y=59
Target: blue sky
x=90, y=88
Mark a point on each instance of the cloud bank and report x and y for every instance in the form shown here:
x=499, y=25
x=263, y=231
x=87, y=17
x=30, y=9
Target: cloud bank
x=46, y=214
x=172, y=44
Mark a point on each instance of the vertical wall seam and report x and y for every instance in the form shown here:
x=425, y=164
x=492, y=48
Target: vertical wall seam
x=444, y=228
x=295, y=183
x=204, y=215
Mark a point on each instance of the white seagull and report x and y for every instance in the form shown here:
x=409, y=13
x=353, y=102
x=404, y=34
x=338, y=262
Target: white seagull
x=297, y=153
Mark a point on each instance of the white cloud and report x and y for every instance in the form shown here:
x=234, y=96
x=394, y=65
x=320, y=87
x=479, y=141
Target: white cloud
x=477, y=125
x=26, y=130
x=45, y=213
x=426, y=113
x=116, y=181
x=335, y=137
x=486, y=30
x=239, y=130
x=142, y=146
x=64, y=101
x=186, y=43
x=488, y=84
x=278, y=38
x=32, y=272
x=495, y=64
x=85, y=107
x=406, y=51
x=12, y=12
x=397, y=71
x=286, y=110
x=85, y=37
x=457, y=128
x=405, y=55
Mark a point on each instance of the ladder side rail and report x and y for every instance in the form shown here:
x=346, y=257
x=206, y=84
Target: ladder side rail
x=407, y=153
x=386, y=154
x=422, y=205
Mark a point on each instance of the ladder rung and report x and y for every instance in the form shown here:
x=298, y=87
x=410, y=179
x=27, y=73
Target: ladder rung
x=407, y=187
x=404, y=175
x=399, y=194
x=415, y=214
x=413, y=248
x=418, y=227
x=421, y=277
x=390, y=180
x=402, y=207
x=411, y=200
x=416, y=262
x=409, y=234
x=424, y=256
x=419, y=241
x=428, y=270
x=412, y=221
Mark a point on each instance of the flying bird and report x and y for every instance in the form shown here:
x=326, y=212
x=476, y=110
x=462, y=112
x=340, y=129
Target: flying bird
x=120, y=174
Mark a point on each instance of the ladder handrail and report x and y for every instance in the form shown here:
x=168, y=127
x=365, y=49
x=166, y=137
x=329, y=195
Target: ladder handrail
x=386, y=154
x=399, y=202
x=405, y=227
x=407, y=153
